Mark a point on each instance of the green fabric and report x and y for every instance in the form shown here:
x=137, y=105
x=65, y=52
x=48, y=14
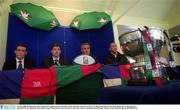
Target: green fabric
x=124, y=81
x=90, y=20
x=66, y=76
x=36, y=16
x=83, y=91
x=138, y=75
x=42, y=100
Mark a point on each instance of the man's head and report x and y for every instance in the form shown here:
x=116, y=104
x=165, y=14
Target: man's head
x=113, y=48
x=20, y=51
x=85, y=49
x=55, y=50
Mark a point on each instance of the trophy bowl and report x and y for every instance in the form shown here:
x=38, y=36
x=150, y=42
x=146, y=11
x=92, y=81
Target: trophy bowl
x=132, y=42
x=132, y=46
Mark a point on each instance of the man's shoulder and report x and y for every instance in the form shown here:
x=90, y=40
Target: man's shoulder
x=47, y=63
x=10, y=61
x=63, y=61
x=118, y=53
x=110, y=55
x=121, y=55
x=9, y=64
x=29, y=63
x=48, y=60
x=92, y=55
x=28, y=60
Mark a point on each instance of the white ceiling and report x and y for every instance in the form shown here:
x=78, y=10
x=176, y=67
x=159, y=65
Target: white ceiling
x=160, y=10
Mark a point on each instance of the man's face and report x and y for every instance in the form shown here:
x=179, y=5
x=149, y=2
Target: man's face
x=56, y=51
x=113, y=47
x=85, y=49
x=20, y=52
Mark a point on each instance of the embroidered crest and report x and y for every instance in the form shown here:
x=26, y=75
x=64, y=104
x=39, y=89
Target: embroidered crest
x=148, y=65
x=25, y=15
x=102, y=20
x=36, y=84
x=76, y=23
x=149, y=47
x=54, y=23
x=85, y=60
x=155, y=73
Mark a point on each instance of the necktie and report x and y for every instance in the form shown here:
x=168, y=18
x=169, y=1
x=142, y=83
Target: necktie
x=56, y=62
x=20, y=65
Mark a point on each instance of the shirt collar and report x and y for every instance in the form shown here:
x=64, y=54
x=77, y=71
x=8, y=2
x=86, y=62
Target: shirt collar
x=19, y=60
x=55, y=58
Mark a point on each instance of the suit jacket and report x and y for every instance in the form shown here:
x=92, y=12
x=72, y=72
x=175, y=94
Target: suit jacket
x=11, y=64
x=120, y=59
x=95, y=58
x=49, y=62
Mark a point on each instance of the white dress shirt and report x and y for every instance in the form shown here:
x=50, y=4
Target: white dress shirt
x=54, y=59
x=17, y=62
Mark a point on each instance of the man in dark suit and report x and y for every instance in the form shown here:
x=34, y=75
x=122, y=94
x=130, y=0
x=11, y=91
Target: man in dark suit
x=115, y=57
x=20, y=62
x=55, y=59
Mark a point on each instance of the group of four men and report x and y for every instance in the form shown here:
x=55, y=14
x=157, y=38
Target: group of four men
x=21, y=62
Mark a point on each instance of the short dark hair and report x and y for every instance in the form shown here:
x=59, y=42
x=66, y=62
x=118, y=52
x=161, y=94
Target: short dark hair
x=85, y=44
x=55, y=45
x=20, y=45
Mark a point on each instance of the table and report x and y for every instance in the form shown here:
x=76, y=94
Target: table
x=166, y=94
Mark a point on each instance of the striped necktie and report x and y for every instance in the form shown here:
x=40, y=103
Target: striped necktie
x=56, y=62
x=20, y=65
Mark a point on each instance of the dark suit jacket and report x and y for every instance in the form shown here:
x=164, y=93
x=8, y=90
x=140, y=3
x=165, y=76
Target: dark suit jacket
x=120, y=59
x=49, y=62
x=11, y=64
x=95, y=58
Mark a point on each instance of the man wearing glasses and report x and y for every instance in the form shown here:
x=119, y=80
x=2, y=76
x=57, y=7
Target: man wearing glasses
x=20, y=62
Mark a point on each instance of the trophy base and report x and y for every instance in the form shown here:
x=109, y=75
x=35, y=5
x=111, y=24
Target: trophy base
x=141, y=82
x=145, y=82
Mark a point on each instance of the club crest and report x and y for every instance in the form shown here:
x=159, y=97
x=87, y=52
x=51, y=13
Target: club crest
x=26, y=16
x=36, y=84
x=76, y=23
x=54, y=23
x=102, y=20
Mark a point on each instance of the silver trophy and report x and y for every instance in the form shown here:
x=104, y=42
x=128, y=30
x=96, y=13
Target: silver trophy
x=132, y=45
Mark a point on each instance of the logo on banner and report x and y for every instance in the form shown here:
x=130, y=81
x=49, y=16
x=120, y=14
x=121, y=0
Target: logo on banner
x=76, y=23
x=85, y=60
x=155, y=73
x=25, y=14
x=148, y=65
x=149, y=47
x=37, y=84
x=102, y=20
x=54, y=23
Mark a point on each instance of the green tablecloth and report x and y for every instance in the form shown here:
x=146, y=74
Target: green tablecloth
x=83, y=91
